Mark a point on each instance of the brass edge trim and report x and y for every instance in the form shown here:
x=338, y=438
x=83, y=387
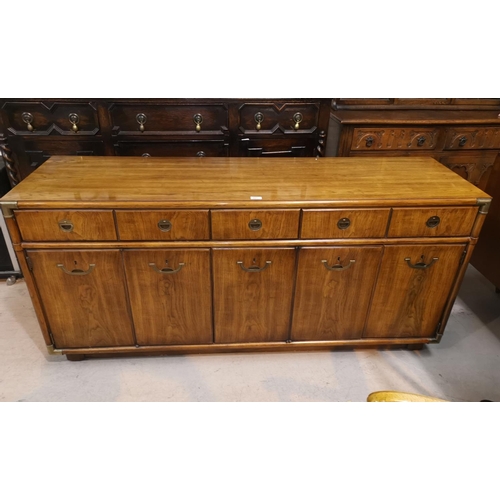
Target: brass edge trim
x=437, y=340
x=53, y=350
x=8, y=208
x=484, y=203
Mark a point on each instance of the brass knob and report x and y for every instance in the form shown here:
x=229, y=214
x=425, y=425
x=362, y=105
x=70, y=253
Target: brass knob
x=141, y=120
x=297, y=118
x=28, y=119
x=369, y=142
x=259, y=118
x=146, y=155
x=74, y=119
x=198, y=119
x=462, y=142
x=201, y=153
x=421, y=141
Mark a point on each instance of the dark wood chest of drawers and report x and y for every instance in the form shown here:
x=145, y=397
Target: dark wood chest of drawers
x=33, y=130
x=463, y=134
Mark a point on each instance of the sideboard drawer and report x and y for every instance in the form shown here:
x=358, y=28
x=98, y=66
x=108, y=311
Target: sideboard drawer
x=473, y=138
x=448, y=221
x=255, y=224
x=163, y=225
x=376, y=139
x=277, y=147
x=151, y=119
x=173, y=148
x=369, y=223
x=38, y=118
x=268, y=117
x=66, y=225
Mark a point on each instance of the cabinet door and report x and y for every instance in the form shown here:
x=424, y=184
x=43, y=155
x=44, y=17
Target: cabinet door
x=334, y=287
x=412, y=289
x=83, y=294
x=170, y=296
x=253, y=294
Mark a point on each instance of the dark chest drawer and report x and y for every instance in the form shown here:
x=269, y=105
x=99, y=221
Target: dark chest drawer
x=394, y=138
x=44, y=118
x=461, y=138
x=278, y=147
x=168, y=119
x=173, y=148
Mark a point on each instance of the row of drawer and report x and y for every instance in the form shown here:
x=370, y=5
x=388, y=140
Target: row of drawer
x=170, y=225
x=425, y=138
x=146, y=119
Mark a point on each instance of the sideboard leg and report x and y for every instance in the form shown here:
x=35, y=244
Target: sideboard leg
x=75, y=357
x=415, y=347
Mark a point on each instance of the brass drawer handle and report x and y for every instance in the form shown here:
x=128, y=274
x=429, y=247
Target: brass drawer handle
x=28, y=119
x=254, y=268
x=433, y=221
x=339, y=266
x=165, y=225
x=198, y=120
x=166, y=270
x=344, y=223
x=66, y=226
x=421, y=141
x=422, y=264
x=297, y=118
x=255, y=225
x=141, y=120
x=77, y=272
x=74, y=119
x=259, y=118
x=146, y=155
x=462, y=142
x=369, y=142
x=201, y=153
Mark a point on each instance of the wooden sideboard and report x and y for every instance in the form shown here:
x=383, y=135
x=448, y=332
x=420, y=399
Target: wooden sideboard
x=220, y=254
x=32, y=130
x=463, y=134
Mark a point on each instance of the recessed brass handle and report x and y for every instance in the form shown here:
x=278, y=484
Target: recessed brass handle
x=165, y=225
x=344, y=223
x=28, y=119
x=74, y=119
x=297, y=118
x=141, y=120
x=462, y=142
x=66, y=226
x=198, y=120
x=254, y=268
x=422, y=264
x=259, y=118
x=369, y=142
x=166, y=270
x=77, y=272
x=255, y=224
x=338, y=267
x=433, y=221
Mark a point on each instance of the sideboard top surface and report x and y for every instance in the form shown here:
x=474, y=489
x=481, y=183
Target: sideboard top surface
x=65, y=181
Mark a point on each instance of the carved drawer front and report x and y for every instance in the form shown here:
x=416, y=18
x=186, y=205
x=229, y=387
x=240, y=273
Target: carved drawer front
x=448, y=221
x=178, y=148
x=369, y=223
x=168, y=119
x=475, y=168
x=473, y=138
x=278, y=147
x=268, y=118
x=391, y=138
x=66, y=225
x=44, y=118
x=163, y=225
x=255, y=224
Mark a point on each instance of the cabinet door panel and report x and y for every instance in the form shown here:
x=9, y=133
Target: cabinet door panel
x=83, y=293
x=408, y=302
x=331, y=304
x=170, y=296
x=251, y=305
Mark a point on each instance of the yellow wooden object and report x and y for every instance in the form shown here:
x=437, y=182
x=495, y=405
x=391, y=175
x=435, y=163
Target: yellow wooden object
x=401, y=397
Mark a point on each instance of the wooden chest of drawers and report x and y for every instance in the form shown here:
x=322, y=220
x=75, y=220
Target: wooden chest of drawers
x=33, y=130
x=463, y=134
x=220, y=254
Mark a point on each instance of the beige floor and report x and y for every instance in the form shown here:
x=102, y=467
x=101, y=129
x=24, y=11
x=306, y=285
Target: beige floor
x=464, y=367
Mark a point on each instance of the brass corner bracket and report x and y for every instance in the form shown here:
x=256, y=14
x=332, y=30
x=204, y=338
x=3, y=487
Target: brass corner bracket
x=53, y=350
x=8, y=208
x=484, y=203
x=437, y=340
